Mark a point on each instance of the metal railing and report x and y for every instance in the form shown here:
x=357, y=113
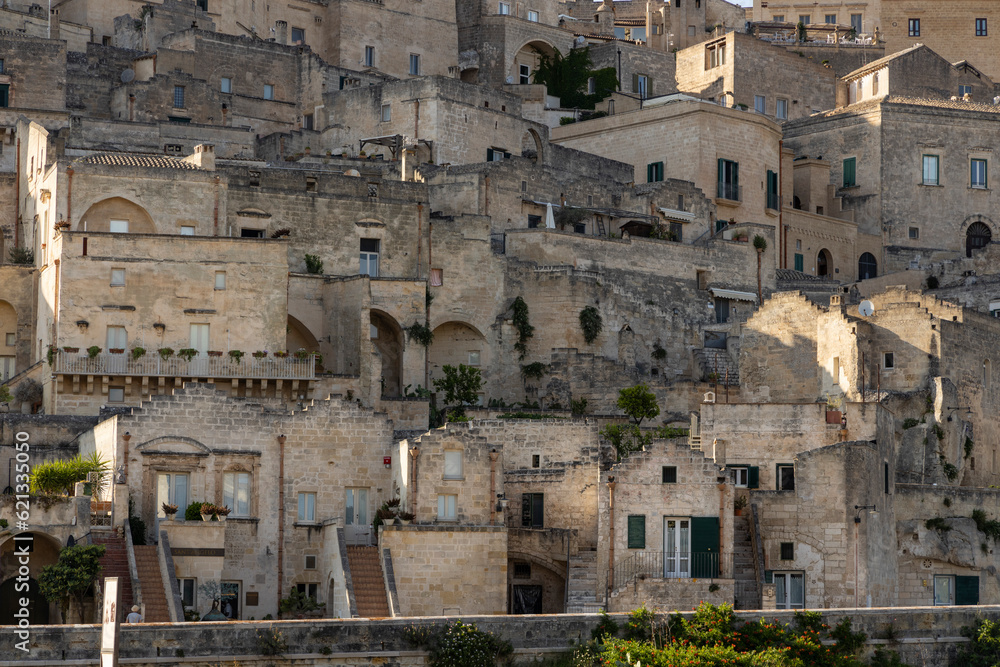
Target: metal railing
x=671, y=565
x=287, y=368
x=730, y=191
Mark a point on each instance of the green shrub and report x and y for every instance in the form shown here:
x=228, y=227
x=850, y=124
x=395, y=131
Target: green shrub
x=950, y=471
x=193, y=512
x=910, y=422
x=60, y=476
x=937, y=523
x=590, y=323
x=534, y=371
x=524, y=329
x=659, y=354
x=22, y=256
x=578, y=407
x=421, y=333
x=314, y=264
x=460, y=645
x=606, y=627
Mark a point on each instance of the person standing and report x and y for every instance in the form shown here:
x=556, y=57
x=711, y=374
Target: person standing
x=135, y=616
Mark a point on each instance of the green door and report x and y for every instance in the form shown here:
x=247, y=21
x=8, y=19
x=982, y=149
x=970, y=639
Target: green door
x=704, y=547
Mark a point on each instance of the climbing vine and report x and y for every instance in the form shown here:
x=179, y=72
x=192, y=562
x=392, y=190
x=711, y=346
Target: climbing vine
x=420, y=333
x=590, y=323
x=523, y=326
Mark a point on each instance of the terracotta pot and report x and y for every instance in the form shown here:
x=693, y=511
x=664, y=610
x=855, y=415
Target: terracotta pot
x=738, y=511
x=833, y=416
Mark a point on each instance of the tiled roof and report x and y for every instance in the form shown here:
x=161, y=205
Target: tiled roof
x=791, y=274
x=946, y=104
x=133, y=160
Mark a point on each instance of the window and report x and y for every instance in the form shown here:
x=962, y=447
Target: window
x=640, y=85
x=522, y=570
x=117, y=338
x=856, y=22
x=914, y=28
x=226, y=85
x=778, y=18
x=118, y=226
x=944, y=590
x=268, y=91
x=187, y=231
x=414, y=64
x=1, y=66
x=453, y=464
x=447, y=507
x=964, y=90
x=536, y=460
x=533, y=16
x=496, y=155
x=799, y=262
x=310, y=563
x=437, y=277
x=172, y=488
x=591, y=85
x=931, y=163
x=369, y=56
x=298, y=36
x=787, y=551
x=533, y=510
x=117, y=277
x=729, y=180
x=248, y=233
x=504, y=9
x=850, y=174
x=474, y=357
x=220, y=280
x=980, y=27
x=580, y=228
x=760, y=104
x=781, y=109
x=308, y=590
x=831, y=19
x=772, y=190
x=178, y=97
x=534, y=221
x=741, y=477
x=716, y=56
x=805, y=19
x=116, y=394
x=236, y=492
x=721, y=310
x=914, y=233
x=524, y=74
x=199, y=338
x=978, y=173
x=188, y=588
x=307, y=507
x=669, y=474
x=5, y=95
x=637, y=531
x=789, y=589
x=386, y=113
x=11, y=340
x=676, y=232
x=307, y=121
x=786, y=477
x=888, y=360
x=369, y=257
x=654, y=172
x=356, y=507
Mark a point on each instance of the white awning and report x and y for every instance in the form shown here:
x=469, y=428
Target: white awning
x=733, y=294
x=675, y=214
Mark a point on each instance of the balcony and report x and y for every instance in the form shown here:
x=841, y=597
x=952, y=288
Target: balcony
x=267, y=368
x=672, y=565
x=730, y=191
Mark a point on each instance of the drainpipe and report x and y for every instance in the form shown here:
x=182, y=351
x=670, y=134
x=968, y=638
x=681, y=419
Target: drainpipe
x=414, y=453
x=281, y=511
x=126, y=438
x=611, y=549
x=17, y=190
x=69, y=194
x=493, y=485
x=722, y=517
x=416, y=120
x=782, y=234
x=486, y=204
x=420, y=222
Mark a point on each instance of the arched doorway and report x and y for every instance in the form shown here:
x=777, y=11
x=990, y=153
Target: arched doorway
x=38, y=606
x=387, y=336
x=44, y=550
x=867, y=266
x=977, y=236
x=298, y=336
x=824, y=263
x=8, y=331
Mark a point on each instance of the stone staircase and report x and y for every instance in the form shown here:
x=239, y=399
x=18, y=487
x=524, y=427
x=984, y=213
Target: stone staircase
x=581, y=596
x=367, y=581
x=717, y=360
x=114, y=563
x=747, y=585
x=147, y=563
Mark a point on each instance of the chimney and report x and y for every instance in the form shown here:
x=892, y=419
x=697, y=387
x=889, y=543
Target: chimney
x=54, y=24
x=281, y=31
x=203, y=157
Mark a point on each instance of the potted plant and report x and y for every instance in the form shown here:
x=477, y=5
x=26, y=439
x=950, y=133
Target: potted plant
x=169, y=510
x=739, y=504
x=207, y=510
x=236, y=355
x=138, y=352
x=259, y=354
x=166, y=352
x=319, y=358
x=280, y=354
x=215, y=353
x=93, y=351
x=193, y=511
x=187, y=353
x=833, y=412
x=301, y=353
x=69, y=349
x=116, y=350
x=407, y=517
x=221, y=512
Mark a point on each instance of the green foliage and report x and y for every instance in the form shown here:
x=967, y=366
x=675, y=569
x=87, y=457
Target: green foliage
x=947, y=502
x=93, y=351
x=950, y=471
x=314, y=264
x=420, y=333
x=524, y=329
x=165, y=352
x=23, y=256
x=298, y=602
x=578, y=407
x=193, y=512
x=464, y=645
x=938, y=431
x=968, y=447
x=525, y=415
x=534, y=371
x=566, y=77
x=5, y=396
x=659, y=354
x=419, y=392
x=138, y=528
x=271, y=642
x=886, y=658
x=59, y=476
x=606, y=627
x=800, y=30
x=71, y=576
x=50, y=354
x=236, y=355
x=138, y=352
x=989, y=527
x=626, y=438
x=640, y=624
x=670, y=432
x=984, y=649
x=460, y=385
x=760, y=243
x=638, y=402
x=848, y=642
x=187, y=353
x=590, y=323
x=910, y=422
x=937, y=523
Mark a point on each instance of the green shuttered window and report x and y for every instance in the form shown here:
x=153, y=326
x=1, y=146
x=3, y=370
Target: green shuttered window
x=637, y=531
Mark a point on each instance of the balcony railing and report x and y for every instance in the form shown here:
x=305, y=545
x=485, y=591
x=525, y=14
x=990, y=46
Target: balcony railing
x=671, y=565
x=267, y=368
x=729, y=191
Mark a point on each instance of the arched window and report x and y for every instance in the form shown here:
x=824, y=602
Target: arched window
x=867, y=266
x=977, y=236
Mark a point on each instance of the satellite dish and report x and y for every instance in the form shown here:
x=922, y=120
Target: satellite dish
x=866, y=308
x=127, y=75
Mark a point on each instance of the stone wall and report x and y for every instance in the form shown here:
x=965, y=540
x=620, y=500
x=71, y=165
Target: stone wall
x=35, y=70
x=672, y=594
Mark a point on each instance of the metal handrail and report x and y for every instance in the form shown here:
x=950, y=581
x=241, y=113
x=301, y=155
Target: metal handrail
x=669, y=565
x=286, y=368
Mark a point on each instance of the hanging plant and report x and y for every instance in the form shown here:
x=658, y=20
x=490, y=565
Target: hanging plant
x=523, y=326
x=236, y=355
x=420, y=333
x=590, y=323
x=93, y=351
x=138, y=352
x=166, y=352
x=534, y=371
x=51, y=354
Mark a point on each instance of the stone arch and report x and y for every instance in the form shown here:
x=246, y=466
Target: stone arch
x=387, y=337
x=45, y=551
x=455, y=343
x=98, y=217
x=977, y=235
x=8, y=353
x=867, y=266
x=529, y=54
x=824, y=263
x=532, y=146
x=154, y=446
x=297, y=335
x=546, y=574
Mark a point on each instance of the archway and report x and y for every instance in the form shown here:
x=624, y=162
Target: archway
x=456, y=343
x=44, y=550
x=824, y=263
x=387, y=336
x=526, y=61
x=531, y=146
x=298, y=336
x=8, y=330
x=977, y=236
x=38, y=606
x=867, y=266
x=99, y=216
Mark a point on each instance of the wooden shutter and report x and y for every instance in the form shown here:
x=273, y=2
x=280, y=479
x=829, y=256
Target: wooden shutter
x=635, y=83
x=537, y=510
x=704, y=546
x=637, y=532
x=722, y=174
x=966, y=590
x=489, y=155
x=753, y=477
x=649, y=173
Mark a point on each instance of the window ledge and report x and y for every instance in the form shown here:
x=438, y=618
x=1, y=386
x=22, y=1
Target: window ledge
x=851, y=187
x=773, y=212
x=454, y=479
x=307, y=524
x=974, y=187
x=728, y=202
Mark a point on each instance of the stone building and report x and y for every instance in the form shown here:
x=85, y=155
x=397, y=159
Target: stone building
x=864, y=17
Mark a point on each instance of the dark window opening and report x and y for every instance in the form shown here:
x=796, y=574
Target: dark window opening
x=787, y=551
x=251, y=233
x=669, y=474
x=533, y=510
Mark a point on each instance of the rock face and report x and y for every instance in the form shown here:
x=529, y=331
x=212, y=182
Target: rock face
x=962, y=545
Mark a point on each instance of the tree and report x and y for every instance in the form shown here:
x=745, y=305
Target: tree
x=760, y=243
x=638, y=402
x=460, y=385
x=566, y=77
x=71, y=576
